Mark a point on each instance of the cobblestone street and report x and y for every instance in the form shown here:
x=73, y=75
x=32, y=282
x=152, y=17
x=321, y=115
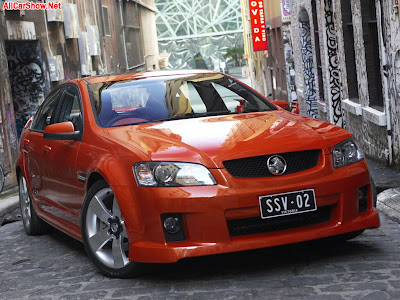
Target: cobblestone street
x=55, y=266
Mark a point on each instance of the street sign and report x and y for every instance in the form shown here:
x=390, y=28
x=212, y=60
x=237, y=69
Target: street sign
x=259, y=31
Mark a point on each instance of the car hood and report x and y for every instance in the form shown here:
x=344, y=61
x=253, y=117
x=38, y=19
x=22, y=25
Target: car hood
x=212, y=140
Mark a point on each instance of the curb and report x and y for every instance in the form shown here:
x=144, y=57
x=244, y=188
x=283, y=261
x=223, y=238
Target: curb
x=9, y=201
x=389, y=203
x=383, y=185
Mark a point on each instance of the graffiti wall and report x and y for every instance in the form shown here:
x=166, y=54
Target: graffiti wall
x=333, y=67
x=289, y=64
x=27, y=79
x=308, y=65
x=373, y=138
x=304, y=57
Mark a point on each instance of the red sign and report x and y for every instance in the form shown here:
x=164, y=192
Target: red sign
x=258, y=25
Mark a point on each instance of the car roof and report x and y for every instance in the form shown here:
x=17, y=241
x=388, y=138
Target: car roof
x=122, y=77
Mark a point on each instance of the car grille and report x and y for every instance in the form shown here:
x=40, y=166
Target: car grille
x=257, y=225
x=257, y=166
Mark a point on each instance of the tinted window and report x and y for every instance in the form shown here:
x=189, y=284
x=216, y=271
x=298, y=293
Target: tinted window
x=69, y=109
x=172, y=97
x=46, y=113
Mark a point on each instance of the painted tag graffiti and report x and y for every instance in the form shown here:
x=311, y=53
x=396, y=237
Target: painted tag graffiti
x=27, y=78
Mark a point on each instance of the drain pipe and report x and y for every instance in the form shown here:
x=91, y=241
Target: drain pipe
x=123, y=34
x=47, y=33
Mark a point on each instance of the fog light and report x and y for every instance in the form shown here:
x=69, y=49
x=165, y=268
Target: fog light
x=172, y=224
x=362, y=199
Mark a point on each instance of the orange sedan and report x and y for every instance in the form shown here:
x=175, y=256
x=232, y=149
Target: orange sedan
x=159, y=166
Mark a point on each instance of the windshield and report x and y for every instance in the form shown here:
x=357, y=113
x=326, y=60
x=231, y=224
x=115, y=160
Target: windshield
x=172, y=97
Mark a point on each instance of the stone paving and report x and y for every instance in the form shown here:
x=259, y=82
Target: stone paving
x=55, y=266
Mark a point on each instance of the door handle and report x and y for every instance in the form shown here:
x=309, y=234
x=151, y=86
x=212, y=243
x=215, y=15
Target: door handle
x=26, y=141
x=46, y=148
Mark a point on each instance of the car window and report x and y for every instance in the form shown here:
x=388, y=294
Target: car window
x=169, y=97
x=46, y=113
x=70, y=108
x=231, y=99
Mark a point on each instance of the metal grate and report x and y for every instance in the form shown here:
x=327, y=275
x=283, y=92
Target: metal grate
x=257, y=166
x=257, y=225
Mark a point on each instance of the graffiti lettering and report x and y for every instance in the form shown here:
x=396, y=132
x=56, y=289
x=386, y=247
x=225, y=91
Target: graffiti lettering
x=308, y=64
x=333, y=66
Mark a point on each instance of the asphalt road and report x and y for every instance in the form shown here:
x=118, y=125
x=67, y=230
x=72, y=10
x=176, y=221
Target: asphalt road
x=55, y=266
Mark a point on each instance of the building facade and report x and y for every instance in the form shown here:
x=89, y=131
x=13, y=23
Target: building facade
x=276, y=67
x=197, y=34
x=41, y=49
x=272, y=70
x=347, y=61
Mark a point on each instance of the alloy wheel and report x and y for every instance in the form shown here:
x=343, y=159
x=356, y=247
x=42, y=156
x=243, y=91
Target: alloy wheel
x=106, y=231
x=25, y=202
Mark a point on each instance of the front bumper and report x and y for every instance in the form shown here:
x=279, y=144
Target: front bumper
x=206, y=211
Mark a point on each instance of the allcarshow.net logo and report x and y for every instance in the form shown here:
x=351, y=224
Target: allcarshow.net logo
x=14, y=5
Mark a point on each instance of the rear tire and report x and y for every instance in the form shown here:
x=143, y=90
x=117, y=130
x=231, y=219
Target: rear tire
x=104, y=233
x=32, y=223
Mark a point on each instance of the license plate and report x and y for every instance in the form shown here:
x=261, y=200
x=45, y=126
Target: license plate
x=287, y=203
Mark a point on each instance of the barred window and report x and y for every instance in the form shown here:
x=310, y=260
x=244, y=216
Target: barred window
x=106, y=22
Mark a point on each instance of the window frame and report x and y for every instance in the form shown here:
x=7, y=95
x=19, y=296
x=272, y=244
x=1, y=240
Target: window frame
x=48, y=99
x=58, y=106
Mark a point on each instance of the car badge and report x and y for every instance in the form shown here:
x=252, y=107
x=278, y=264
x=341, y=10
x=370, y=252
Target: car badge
x=276, y=165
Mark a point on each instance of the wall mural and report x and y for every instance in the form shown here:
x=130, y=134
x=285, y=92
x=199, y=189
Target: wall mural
x=333, y=67
x=308, y=64
x=27, y=79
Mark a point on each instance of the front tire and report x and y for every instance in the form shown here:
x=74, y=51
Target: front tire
x=104, y=232
x=32, y=223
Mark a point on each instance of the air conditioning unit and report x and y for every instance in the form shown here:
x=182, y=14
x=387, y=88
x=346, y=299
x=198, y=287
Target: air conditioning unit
x=94, y=40
x=71, y=26
x=85, y=58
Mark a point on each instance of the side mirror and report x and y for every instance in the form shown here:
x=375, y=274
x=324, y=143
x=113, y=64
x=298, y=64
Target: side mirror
x=61, y=131
x=282, y=104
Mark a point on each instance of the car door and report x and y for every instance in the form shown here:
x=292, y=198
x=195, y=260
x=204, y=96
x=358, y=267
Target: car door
x=60, y=176
x=34, y=147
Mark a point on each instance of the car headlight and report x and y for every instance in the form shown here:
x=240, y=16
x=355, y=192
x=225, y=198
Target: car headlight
x=172, y=174
x=346, y=153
